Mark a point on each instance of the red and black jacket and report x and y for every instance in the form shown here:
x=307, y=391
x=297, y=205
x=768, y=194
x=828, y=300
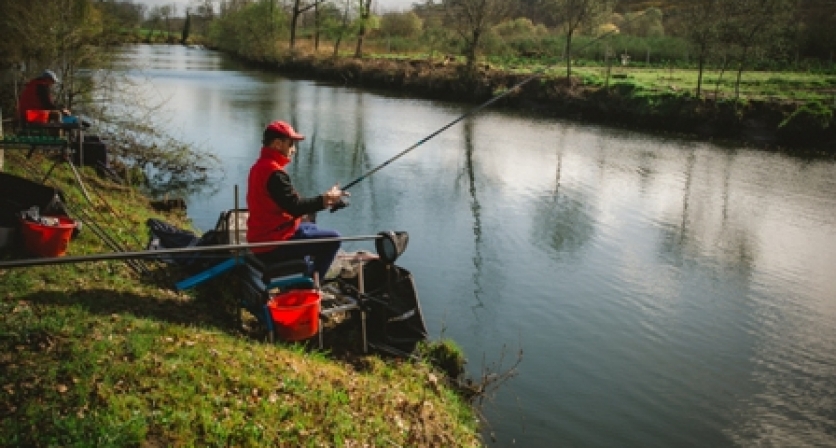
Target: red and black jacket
x=275, y=207
x=36, y=95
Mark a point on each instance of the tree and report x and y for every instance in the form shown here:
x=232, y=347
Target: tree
x=816, y=35
x=299, y=7
x=125, y=14
x=401, y=24
x=249, y=29
x=317, y=26
x=335, y=22
x=187, y=28
x=63, y=35
x=167, y=13
x=434, y=34
x=73, y=37
x=365, y=15
x=575, y=15
x=203, y=11
x=472, y=19
x=520, y=26
x=703, y=21
x=753, y=24
x=154, y=19
x=647, y=23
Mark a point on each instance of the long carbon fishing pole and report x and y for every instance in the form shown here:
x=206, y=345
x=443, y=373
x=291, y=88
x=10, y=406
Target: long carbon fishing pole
x=517, y=86
x=233, y=250
x=138, y=266
x=439, y=131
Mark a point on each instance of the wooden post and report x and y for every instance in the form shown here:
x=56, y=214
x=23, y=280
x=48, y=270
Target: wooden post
x=235, y=214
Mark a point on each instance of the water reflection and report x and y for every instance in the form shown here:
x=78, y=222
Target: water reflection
x=562, y=221
x=666, y=292
x=475, y=209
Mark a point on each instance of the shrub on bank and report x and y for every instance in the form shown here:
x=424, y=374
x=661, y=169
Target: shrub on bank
x=806, y=122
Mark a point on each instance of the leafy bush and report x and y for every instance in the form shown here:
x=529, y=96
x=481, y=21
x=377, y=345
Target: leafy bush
x=251, y=30
x=401, y=24
x=397, y=44
x=494, y=44
x=592, y=80
x=522, y=27
x=812, y=115
x=626, y=88
x=445, y=354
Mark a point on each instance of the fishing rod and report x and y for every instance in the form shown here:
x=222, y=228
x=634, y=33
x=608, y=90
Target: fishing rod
x=537, y=73
x=234, y=249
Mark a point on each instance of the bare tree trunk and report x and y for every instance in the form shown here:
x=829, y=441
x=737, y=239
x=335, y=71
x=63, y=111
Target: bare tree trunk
x=743, y=56
x=470, y=53
x=317, y=23
x=700, y=67
x=608, y=63
x=342, y=32
x=294, y=19
x=720, y=78
x=568, y=56
x=365, y=11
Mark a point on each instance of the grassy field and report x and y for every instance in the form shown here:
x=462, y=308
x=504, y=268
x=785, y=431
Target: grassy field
x=95, y=354
x=754, y=85
x=794, y=86
x=779, y=86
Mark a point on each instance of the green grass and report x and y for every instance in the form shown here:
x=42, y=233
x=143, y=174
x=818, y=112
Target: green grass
x=790, y=86
x=801, y=86
x=96, y=355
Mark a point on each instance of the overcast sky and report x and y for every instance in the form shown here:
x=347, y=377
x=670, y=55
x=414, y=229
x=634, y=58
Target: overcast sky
x=378, y=5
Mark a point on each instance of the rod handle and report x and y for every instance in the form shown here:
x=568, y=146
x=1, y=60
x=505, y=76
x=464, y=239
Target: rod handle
x=342, y=203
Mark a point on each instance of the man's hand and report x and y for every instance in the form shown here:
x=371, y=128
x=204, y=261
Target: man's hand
x=333, y=196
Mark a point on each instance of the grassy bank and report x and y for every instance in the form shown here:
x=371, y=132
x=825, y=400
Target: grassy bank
x=98, y=354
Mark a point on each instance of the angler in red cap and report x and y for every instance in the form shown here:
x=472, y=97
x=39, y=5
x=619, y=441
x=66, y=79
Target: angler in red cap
x=277, y=209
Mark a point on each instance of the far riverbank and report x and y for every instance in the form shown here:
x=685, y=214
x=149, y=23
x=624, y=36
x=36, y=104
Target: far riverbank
x=804, y=128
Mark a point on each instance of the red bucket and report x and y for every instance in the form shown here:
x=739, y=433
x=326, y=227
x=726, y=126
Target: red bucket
x=45, y=240
x=295, y=313
x=37, y=116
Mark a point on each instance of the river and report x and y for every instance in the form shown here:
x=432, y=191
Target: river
x=658, y=292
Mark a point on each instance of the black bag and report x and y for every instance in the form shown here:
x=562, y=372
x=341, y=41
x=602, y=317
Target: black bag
x=166, y=236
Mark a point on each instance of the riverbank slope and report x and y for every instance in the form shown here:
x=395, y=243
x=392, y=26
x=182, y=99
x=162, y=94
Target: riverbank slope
x=96, y=353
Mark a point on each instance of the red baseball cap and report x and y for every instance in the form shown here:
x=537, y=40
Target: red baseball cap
x=284, y=129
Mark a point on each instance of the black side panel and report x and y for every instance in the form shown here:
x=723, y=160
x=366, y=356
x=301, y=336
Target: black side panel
x=18, y=194
x=395, y=318
x=95, y=153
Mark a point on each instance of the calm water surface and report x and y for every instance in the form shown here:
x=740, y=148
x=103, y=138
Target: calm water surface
x=662, y=292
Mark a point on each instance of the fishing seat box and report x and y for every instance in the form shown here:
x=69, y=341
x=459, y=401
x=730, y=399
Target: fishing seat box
x=232, y=226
